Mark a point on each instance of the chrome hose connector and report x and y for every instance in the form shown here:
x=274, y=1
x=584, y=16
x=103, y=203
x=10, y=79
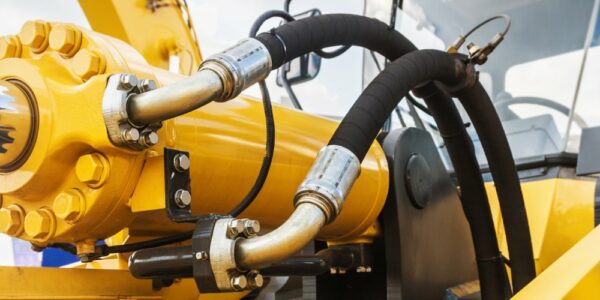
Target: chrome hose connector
x=240, y=66
x=329, y=180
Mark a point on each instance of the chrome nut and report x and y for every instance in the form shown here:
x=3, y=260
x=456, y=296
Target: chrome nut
x=235, y=228
x=181, y=162
x=251, y=227
x=128, y=82
x=131, y=135
x=183, y=198
x=149, y=139
x=239, y=283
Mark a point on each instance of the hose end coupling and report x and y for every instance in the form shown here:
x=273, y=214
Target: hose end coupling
x=329, y=180
x=240, y=66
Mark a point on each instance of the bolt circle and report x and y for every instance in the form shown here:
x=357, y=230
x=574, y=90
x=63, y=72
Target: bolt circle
x=34, y=34
x=183, y=198
x=69, y=205
x=40, y=224
x=87, y=64
x=10, y=46
x=65, y=39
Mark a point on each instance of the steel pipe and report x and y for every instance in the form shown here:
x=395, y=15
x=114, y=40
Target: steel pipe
x=288, y=239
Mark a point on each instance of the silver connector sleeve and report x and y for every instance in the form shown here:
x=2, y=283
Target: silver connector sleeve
x=221, y=77
x=330, y=179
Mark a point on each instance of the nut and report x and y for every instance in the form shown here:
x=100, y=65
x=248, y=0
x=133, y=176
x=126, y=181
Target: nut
x=90, y=169
x=146, y=85
x=239, y=282
x=10, y=46
x=39, y=224
x=34, y=34
x=235, y=228
x=251, y=227
x=128, y=82
x=131, y=135
x=149, y=139
x=181, y=162
x=65, y=39
x=69, y=205
x=255, y=279
x=11, y=220
x=202, y=255
x=183, y=198
x=87, y=63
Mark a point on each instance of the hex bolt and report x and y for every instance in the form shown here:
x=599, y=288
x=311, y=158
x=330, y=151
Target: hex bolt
x=131, y=135
x=146, y=85
x=87, y=64
x=34, y=34
x=183, y=198
x=255, y=279
x=181, y=162
x=239, y=282
x=149, y=139
x=202, y=255
x=10, y=46
x=11, y=220
x=90, y=169
x=235, y=228
x=128, y=82
x=65, y=40
x=39, y=224
x=251, y=227
x=69, y=205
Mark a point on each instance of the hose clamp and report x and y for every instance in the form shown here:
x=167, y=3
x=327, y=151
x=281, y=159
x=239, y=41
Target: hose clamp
x=240, y=66
x=329, y=180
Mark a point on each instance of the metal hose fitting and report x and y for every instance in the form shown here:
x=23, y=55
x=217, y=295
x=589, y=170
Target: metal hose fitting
x=318, y=201
x=221, y=77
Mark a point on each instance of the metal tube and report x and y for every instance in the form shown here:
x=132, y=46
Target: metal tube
x=302, y=227
x=176, y=99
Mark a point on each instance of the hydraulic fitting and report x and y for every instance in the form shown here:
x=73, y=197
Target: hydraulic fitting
x=220, y=78
x=329, y=180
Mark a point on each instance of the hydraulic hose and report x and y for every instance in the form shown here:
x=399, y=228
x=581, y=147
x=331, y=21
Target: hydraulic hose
x=490, y=265
x=489, y=128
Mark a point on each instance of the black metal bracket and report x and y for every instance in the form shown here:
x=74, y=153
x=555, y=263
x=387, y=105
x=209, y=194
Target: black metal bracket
x=177, y=181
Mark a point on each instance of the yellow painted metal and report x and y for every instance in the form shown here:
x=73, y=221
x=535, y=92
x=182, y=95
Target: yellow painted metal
x=560, y=213
x=116, y=188
x=575, y=275
x=158, y=29
x=76, y=283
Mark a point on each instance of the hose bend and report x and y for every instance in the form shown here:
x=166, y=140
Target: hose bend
x=288, y=239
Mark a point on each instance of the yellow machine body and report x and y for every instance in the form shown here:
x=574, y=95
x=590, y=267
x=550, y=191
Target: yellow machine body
x=78, y=187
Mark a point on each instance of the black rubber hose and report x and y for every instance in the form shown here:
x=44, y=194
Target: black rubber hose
x=489, y=128
x=311, y=34
x=490, y=264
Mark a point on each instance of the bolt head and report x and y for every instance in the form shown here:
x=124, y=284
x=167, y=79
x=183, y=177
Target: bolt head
x=181, y=162
x=35, y=35
x=89, y=168
x=10, y=46
x=128, y=82
x=65, y=40
x=150, y=139
x=69, y=205
x=183, y=198
x=146, y=85
x=255, y=280
x=202, y=255
x=87, y=64
x=11, y=220
x=38, y=224
x=235, y=228
x=239, y=282
x=131, y=135
x=251, y=227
